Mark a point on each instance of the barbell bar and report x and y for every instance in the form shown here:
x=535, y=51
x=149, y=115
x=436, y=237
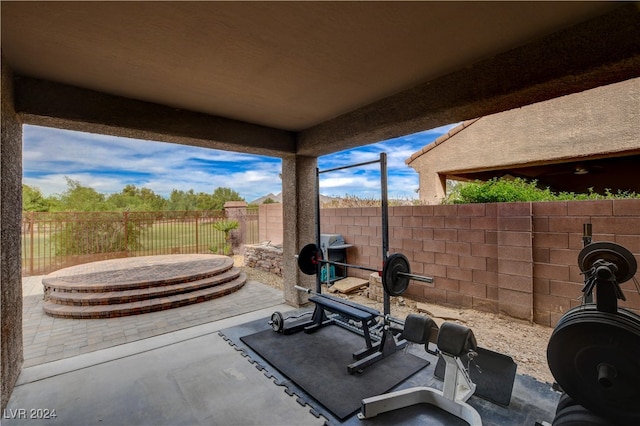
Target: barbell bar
x=395, y=273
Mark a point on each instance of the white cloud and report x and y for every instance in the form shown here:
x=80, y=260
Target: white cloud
x=108, y=163
x=402, y=180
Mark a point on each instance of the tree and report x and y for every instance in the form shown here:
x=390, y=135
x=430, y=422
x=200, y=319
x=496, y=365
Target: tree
x=222, y=195
x=81, y=198
x=33, y=200
x=182, y=200
x=132, y=198
x=152, y=201
x=205, y=201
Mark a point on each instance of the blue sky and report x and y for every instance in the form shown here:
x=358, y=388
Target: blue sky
x=108, y=163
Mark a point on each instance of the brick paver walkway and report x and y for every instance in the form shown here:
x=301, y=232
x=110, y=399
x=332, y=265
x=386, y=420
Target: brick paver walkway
x=48, y=339
x=135, y=285
x=119, y=272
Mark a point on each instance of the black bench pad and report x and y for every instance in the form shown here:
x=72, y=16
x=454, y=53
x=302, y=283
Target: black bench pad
x=336, y=305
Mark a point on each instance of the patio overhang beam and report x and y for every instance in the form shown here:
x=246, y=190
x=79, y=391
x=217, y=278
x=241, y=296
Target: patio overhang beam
x=50, y=104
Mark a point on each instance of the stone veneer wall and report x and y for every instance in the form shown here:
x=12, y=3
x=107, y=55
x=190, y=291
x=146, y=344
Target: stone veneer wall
x=264, y=257
x=11, y=344
x=514, y=258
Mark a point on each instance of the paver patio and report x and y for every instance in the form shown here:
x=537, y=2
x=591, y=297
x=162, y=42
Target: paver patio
x=49, y=339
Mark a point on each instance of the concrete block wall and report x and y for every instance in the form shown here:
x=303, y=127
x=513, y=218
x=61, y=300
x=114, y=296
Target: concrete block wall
x=518, y=259
x=558, y=241
x=270, y=223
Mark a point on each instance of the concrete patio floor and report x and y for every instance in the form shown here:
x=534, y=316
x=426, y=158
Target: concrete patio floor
x=167, y=368
x=162, y=368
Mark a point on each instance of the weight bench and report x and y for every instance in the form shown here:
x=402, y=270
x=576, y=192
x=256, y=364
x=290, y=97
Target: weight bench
x=349, y=310
x=385, y=344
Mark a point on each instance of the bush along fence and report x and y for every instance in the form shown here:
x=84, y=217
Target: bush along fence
x=52, y=241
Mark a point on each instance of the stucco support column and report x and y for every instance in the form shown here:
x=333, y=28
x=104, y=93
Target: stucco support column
x=298, y=218
x=10, y=221
x=433, y=187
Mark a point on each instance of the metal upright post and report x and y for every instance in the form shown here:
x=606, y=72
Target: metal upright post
x=587, y=237
x=319, y=266
x=385, y=222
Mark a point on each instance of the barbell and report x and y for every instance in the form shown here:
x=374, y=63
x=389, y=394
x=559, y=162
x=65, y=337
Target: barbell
x=396, y=271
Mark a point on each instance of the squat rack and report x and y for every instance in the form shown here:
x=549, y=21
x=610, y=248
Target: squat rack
x=384, y=213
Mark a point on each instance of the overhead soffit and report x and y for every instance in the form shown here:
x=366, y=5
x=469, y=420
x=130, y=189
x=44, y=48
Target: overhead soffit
x=288, y=65
x=614, y=173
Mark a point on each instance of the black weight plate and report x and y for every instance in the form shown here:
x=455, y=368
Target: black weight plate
x=393, y=283
x=610, y=252
x=309, y=258
x=577, y=415
x=625, y=314
x=564, y=402
x=277, y=322
x=586, y=338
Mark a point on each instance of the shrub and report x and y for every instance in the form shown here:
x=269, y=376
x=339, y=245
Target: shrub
x=511, y=190
x=96, y=233
x=225, y=226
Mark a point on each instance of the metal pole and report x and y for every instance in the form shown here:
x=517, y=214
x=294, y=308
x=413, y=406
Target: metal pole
x=318, y=275
x=348, y=265
x=366, y=268
x=385, y=223
x=587, y=235
x=416, y=277
x=350, y=166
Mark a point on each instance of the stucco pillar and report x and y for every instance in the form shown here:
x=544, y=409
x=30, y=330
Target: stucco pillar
x=433, y=187
x=10, y=220
x=298, y=217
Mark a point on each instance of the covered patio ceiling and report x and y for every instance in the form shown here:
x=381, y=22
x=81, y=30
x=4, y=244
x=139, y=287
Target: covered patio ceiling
x=306, y=78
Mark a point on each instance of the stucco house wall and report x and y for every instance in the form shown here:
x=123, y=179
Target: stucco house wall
x=596, y=123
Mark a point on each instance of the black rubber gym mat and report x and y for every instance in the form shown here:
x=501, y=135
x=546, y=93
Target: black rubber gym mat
x=494, y=380
x=317, y=363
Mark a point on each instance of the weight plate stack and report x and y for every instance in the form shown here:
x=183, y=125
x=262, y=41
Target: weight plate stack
x=595, y=357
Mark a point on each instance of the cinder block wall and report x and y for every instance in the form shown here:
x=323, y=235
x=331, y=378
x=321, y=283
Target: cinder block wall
x=558, y=241
x=514, y=258
x=270, y=223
